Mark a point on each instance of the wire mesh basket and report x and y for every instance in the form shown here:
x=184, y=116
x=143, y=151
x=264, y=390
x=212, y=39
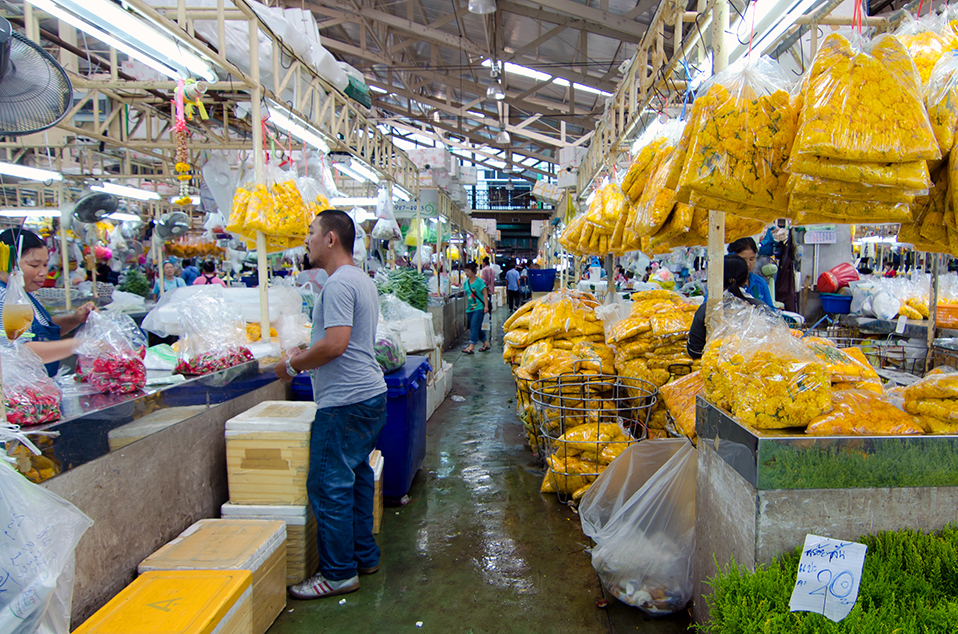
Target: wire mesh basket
x=585, y=422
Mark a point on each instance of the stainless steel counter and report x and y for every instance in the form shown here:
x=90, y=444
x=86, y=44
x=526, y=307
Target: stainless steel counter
x=914, y=329
x=95, y=425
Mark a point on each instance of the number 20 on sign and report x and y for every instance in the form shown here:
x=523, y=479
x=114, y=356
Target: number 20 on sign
x=829, y=573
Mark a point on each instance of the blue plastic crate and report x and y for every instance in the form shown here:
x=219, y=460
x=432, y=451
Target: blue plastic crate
x=403, y=439
x=836, y=304
x=542, y=280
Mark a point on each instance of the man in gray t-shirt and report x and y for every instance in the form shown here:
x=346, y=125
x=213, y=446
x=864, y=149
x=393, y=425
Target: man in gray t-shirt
x=350, y=396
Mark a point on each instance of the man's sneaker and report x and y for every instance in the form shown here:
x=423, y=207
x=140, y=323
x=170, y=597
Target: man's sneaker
x=318, y=587
x=368, y=571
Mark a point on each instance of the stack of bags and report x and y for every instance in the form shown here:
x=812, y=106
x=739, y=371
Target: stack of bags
x=650, y=343
x=935, y=400
x=851, y=161
x=679, y=397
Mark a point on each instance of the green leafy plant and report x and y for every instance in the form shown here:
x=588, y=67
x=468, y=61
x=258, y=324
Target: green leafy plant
x=135, y=282
x=407, y=285
x=909, y=584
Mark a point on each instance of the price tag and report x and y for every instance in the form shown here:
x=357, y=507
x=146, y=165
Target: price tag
x=829, y=574
x=902, y=322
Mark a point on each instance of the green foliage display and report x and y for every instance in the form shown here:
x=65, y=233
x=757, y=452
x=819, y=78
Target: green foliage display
x=407, y=285
x=135, y=282
x=909, y=584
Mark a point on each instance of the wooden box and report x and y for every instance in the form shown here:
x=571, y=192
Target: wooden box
x=302, y=553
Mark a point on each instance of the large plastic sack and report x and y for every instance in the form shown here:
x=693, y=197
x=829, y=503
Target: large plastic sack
x=386, y=229
x=885, y=305
x=849, y=91
x=389, y=349
x=30, y=395
x=41, y=531
x=563, y=314
x=641, y=514
x=742, y=144
x=926, y=39
x=837, y=277
x=941, y=99
x=214, y=334
x=110, y=353
x=864, y=413
x=653, y=208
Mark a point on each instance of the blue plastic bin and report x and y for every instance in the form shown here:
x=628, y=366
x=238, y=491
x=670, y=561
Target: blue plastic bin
x=403, y=439
x=836, y=304
x=542, y=280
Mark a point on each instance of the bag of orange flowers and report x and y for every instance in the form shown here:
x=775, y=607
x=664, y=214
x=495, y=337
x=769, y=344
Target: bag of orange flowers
x=941, y=98
x=276, y=207
x=746, y=126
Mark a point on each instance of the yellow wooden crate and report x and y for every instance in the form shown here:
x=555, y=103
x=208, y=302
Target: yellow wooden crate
x=267, y=453
x=258, y=546
x=302, y=552
x=179, y=602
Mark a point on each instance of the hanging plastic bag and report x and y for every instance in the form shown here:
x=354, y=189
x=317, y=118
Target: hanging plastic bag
x=111, y=353
x=17, y=307
x=926, y=39
x=415, y=233
x=276, y=207
x=742, y=144
x=40, y=535
x=386, y=229
x=389, y=349
x=30, y=395
x=384, y=205
x=641, y=514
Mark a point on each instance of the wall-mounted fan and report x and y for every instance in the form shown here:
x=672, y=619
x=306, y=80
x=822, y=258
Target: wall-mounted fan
x=172, y=225
x=94, y=207
x=35, y=92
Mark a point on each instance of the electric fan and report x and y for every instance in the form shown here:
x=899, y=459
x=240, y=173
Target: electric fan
x=172, y=225
x=94, y=207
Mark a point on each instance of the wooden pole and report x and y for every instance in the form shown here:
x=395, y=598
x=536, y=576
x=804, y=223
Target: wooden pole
x=932, y=310
x=716, y=245
x=64, y=255
x=256, y=95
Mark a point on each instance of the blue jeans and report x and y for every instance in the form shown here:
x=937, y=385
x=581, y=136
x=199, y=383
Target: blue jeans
x=475, y=327
x=341, y=486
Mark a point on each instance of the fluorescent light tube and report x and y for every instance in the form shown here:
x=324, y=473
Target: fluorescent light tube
x=137, y=37
x=400, y=192
x=361, y=168
x=297, y=127
x=30, y=213
x=123, y=217
x=129, y=192
x=349, y=171
x=32, y=173
x=354, y=202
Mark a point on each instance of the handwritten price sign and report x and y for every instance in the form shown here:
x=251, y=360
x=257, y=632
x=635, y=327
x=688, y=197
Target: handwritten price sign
x=828, y=576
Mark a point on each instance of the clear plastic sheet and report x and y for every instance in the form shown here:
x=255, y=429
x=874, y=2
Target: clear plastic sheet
x=214, y=335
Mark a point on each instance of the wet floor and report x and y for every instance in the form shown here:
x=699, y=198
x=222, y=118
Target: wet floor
x=477, y=549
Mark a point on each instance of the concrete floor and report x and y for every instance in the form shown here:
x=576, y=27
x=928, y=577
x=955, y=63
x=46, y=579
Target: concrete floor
x=477, y=549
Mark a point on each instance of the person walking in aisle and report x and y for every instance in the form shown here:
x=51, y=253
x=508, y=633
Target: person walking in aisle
x=350, y=396
x=190, y=272
x=488, y=275
x=477, y=305
x=512, y=287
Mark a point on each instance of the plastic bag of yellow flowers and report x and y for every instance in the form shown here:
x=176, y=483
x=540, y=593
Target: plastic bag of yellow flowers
x=679, y=397
x=863, y=103
x=941, y=99
x=864, y=413
x=935, y=400
x=656, y=140
x=742, y=143
x=276, y=207
x=565, y=315
x=927, y=39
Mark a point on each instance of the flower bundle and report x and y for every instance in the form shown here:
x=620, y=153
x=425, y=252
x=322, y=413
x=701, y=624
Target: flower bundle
x=30, y=395
x=863, y=123
x=110, y=355
x=746, y=124
x=213, y=361
x=600, y=229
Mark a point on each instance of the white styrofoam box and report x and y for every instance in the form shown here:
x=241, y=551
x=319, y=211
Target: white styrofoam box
x=274, y=416
x=431, y=392
x=568, y=178
x=544, y=190
x=446, y=378
x=431, y=158
x=468, y=174
x=571, y=156
x=435, y=178
x=417, y=333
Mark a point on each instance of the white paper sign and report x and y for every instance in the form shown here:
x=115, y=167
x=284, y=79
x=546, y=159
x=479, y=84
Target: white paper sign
x=829, y=573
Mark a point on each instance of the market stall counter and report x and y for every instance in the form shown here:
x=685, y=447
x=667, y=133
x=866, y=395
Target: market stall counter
x=144, y=466
x=758, y=493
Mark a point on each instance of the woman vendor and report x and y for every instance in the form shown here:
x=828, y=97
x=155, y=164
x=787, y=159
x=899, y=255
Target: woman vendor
x=735, y=282
x=47, y=330
x=171, y=280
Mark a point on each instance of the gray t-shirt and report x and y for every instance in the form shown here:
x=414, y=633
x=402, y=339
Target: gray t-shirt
x=349, y=298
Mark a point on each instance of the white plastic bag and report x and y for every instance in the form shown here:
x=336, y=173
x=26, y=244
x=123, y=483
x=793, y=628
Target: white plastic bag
x=641, y=514
x=384, y=206
x=41, y=531
x=885, y=305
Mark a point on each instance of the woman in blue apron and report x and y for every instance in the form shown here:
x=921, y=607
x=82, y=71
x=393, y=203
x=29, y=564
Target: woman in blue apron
x=47, y=331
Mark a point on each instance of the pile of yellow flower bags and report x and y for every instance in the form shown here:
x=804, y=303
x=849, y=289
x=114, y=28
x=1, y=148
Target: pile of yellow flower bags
x=935, y=400
x=581, y=454
x=863, y=136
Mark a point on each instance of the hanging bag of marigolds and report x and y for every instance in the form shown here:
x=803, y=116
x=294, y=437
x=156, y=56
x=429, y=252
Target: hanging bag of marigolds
x=746, y=124
x=927, y=39
x=863, y=123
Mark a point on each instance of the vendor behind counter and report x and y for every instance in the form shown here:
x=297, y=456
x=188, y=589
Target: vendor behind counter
x=48, y=332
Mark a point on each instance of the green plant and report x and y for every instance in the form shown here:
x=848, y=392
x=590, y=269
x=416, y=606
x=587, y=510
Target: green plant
x=909, y=584
x=135, y=282
x=407, y=285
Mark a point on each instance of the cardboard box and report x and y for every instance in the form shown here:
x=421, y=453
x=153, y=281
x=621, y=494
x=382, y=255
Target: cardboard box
x=302, y=551
x=267, y=453
x=180, y=601
x=376, y=461
x=255, y=545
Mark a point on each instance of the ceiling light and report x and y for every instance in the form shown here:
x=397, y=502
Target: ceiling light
x=32, y=173
x=482, y=7
x=129, y=192
x=503, y=138
x=122, y=217
x=529, y=73
x=30, y=213
x=495, y=91
x=131, y=34
x=353, y=202
x=348, y=171
x=356, y=170
x=381, y=91
x=289, y=122
x=770, y=20
x=400, y=192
